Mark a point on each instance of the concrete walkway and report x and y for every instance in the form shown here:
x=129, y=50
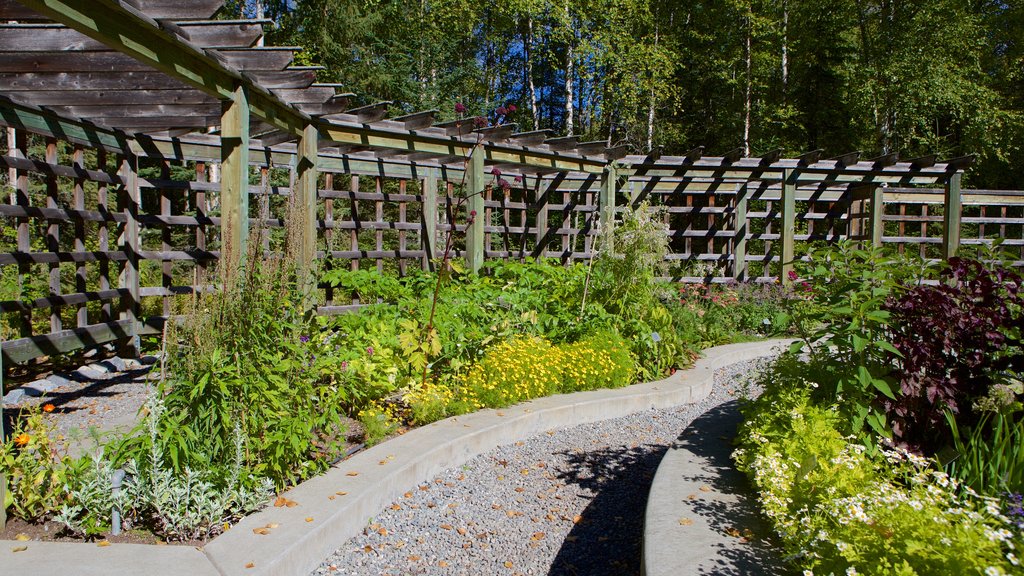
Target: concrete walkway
x=338, y=504
x=701, y=515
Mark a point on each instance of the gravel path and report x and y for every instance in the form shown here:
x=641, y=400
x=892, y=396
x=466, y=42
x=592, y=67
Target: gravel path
x=568, y=502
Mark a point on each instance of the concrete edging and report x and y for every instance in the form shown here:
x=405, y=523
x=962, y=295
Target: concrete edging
x=336, y=505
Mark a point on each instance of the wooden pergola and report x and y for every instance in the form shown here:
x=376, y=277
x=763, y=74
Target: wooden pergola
x=160, y=78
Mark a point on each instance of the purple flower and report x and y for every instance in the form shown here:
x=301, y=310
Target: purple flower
x=303, y=338
x=511, y=108
x=460, y=108
x=480, y=122
x=792, y=275
x=519, y=179
x=505, y=184
x=472, y=212
x=501, y=111
x=370, y=350
x=495, y=171
x=344, y=364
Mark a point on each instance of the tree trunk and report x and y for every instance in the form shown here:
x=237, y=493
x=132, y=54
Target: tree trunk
x=528, y=53
x=258, y=13
x=748, y=95
x=569, y=73
x=785, y=50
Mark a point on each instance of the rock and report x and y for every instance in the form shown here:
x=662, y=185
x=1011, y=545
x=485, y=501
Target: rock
x=115, y=364
x=14, y=396
x=57, y=380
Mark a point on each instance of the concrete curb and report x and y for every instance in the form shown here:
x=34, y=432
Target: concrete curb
x=336, y=505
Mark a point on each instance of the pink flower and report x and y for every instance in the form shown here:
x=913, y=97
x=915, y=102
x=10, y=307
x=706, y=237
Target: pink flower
x=511, y=108
x=501, y=111
x=369, y=351
x=480, y=122
x=504, y=184
x=460, y=108
x=472, y=212
x=792, y=275
x=519, y=179
x=495, y=171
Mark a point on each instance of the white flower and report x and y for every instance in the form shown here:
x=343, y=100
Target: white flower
x=851, y=571
x=1013, y=559
x=808, y=573
x=994, y=571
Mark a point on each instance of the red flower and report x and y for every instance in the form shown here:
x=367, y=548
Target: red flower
x=480, y=122
x=511, y=108
x=501, y=111
x=792, y=275
x=460, y=108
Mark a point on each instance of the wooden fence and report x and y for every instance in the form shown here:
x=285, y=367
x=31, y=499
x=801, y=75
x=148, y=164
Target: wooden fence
x=98, y=244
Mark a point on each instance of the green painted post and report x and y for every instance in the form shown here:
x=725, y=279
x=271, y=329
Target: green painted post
x=234, y=182
x=951, y=217
x=739, y=251
x=306, y=197
x=876, y=224
x=429, y=218
x=609, y=186
x=129, y=173
x=475, y=206
x=788, y=224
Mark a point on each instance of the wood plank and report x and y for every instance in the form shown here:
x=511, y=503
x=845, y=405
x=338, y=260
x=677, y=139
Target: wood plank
x=50, y=37
x=86, y=81
x=289, y=78
x=25, y=349
x=140, y=111
x=78, y=298
x=271, y=58
x=75, y=96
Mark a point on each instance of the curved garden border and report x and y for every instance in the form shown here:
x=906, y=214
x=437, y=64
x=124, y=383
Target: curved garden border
x=335, y=506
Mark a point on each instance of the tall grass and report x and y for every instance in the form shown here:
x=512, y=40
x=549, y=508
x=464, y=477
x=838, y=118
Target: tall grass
x=990, y=455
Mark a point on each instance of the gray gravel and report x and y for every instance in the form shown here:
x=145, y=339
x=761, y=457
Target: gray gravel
x=567, y=502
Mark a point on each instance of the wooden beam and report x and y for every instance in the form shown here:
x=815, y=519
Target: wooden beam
x=876, y=223
x=474, y=190
x=172, y=9
x=121, y=98
x=531, y=138
x=808, y=158
x=140, y=111
x=270, y=58
x=739, y=239
x=732, y=156
x=885, y=160
x=788, y=225
x=11, y=82
x=311, y=94
x=51, y=37
x=606, y=204
x=847, y=159
x=694, y=154
x=234, y=186
x=563, y=143
x=496, y=133
x=952, y=210
x=139, y=37
x=130, y=278
x=370, y=113
x=417, y=120
x=294, y=77
x=305, y=203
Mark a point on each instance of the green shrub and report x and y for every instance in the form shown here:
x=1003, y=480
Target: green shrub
x=36, y=471
x=842, y=509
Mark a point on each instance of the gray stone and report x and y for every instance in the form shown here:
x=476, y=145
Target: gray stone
x=57, y=380
x=14, y=396
x=114, y=364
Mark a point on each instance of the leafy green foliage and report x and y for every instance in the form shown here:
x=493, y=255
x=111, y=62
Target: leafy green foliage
x=36, y=472
x=990, y=454
x=839, y=508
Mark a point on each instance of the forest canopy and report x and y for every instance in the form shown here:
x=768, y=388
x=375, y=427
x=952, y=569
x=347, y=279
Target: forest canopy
x=913, y=77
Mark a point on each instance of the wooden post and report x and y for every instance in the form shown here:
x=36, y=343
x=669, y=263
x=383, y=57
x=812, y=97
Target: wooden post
x=234, y=181
x=475, y=207
x=3, y=471
x=53, y=235
x=305, y=197
x=81, y=274
x=543, y=197
x=130, y=245
x=429, y=218
x=876, y=224
x=609, y=186
x=739, y=250
x=787, y=230
x=951, y=217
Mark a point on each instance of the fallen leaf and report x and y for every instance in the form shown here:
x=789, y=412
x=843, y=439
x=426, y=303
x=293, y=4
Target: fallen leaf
x=22, y=538
x=495, y=506
x=733, y=532
x=685, y=522
x=250, y=565
x=383, y=531
x=396, y=507
x=407, y=495
x=461, y=531
x=260, y=531
x=508, y=564
x=330, y=497
x=524, y=471
x=280, y=501
x=367, y=548
x=520, y=443
x=103, y=543
x=352, y=474
x=309, y=518
x=425, y=487
x=341, y=493
x=577, y=519
x=691, y=497
x=19, y=548
x=500, y=413
x=292, y=504
x=537, y=536
x=705, y=488
x=442, y=564
x=520, y=489
x=382, y=462
x=446, y=526
x=414, y=558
